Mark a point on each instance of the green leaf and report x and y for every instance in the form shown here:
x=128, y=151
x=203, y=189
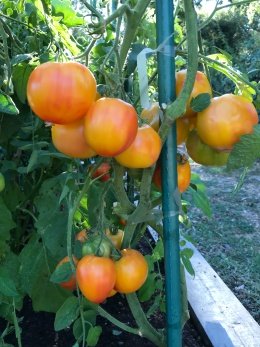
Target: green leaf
x=6, y=221
x=21, y=73
x=7, y=105
x=186, y=254
x=200, y=102
x=246, y=151
x=34, y=274
x=53, y=216
x=93, y=336
x=66, y=314
x=62, y=273
x=89, y=319
x=37, y=160
x=200, y=200
x=7, y=285
x=147, y=290
x=65, y=9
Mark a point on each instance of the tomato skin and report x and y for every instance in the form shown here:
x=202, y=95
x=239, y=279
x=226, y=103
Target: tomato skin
x=110, y=126
x=227, y=118
x=204, y=154
x=117, y=238
x=61, y=93
x=69, y=139
x=184, y=176
x=103, y=172
x=144, y=151
x=151, y=115
x=71, y=283
x=182, y=129
x=81, y=236
x=201, y=85
x=96, y=277
x=131, y=271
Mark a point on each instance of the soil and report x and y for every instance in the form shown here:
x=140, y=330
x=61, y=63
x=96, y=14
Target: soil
x=37, y=329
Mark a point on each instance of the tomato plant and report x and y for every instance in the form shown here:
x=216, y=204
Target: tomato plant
x=96, y=277
x=69, y=139
x=110, y=126
x=70, y=284
x=144, y=151
x=131, y=271
x=98, y=245
x=61, y=93
x=227, y=118
x=204, y=154
x=201, y=85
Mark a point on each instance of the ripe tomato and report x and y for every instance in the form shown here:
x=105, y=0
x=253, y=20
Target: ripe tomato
x=184, y=176
x=182, y=129
x=201, y=85
x=110, y=126
x=81, y=236
x=116, y=238
x=204, y=154
x=2, y=182
x=151, y=115
x=69, y=139
x=96, y=277
x=131, y=271
x=227, y=118
x=144, y=151
x=61, y=93
x=103, y=172
x=71, y=283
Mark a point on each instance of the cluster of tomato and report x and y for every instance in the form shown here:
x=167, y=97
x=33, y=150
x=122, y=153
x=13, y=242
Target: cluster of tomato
x=211, y=134
x=98, y=275
x=84, y=125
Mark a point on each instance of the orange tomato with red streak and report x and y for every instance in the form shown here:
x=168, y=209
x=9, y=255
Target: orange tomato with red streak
x=131, y=271
x=82, y=236
x=61, y=93
x=152, y=116
x=144, y=151
x=115, y=237
x=96, y=277
x=70, y=284
x=225, y=120
x=110, y=126
x=69, y=139
x=183, y=172
x=201, y=85
x=102, y=172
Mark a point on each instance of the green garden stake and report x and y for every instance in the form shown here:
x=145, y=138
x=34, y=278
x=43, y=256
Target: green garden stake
x=166, y=85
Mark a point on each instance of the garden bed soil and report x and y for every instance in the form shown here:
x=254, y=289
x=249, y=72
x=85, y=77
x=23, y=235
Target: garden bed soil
x=38, y=329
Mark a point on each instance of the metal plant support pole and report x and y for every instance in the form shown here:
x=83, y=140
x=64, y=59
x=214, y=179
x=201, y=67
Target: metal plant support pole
x=166, y=85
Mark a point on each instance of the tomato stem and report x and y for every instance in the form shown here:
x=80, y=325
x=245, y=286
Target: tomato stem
x=146, y=329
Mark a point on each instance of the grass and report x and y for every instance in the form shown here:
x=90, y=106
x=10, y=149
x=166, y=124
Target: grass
x=230, y=240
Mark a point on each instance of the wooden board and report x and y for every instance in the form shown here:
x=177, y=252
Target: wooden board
x=223, y=318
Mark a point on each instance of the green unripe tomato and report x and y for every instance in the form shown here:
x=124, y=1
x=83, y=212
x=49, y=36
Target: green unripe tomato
x=2, y=182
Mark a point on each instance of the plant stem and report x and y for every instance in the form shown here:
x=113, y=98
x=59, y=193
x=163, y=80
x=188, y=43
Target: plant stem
x=116, y=322
x=146, y=329
x=177, y=108
x=133, y=18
